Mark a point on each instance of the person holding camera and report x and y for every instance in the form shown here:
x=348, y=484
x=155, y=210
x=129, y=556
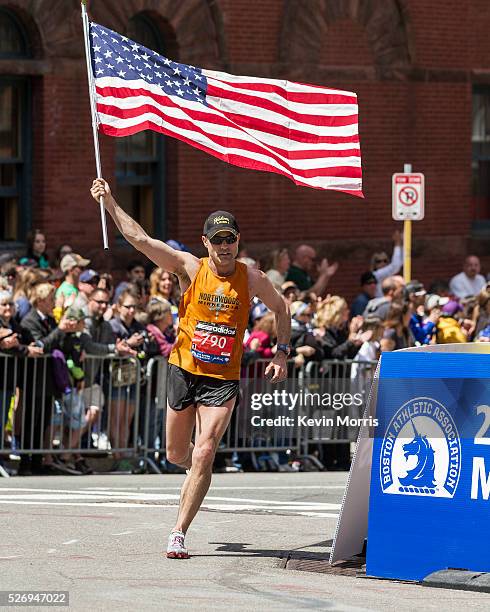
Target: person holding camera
x=125, y=374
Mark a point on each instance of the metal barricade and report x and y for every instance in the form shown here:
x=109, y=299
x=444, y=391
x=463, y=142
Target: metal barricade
x=251, y=429
x=121, y=409
x=343, y=387
x=45, y=412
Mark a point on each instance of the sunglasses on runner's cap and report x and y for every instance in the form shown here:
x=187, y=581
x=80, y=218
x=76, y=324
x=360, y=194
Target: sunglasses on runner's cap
x=230, y=239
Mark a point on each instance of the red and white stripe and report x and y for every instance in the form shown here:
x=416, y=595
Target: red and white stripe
x=307, y=133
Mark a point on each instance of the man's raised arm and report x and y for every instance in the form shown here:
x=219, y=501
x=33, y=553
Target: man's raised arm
x=156, y=250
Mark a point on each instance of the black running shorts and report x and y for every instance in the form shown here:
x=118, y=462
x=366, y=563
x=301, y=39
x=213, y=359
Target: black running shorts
x=185, y=389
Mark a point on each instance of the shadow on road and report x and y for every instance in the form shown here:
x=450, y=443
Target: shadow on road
x=241, y=549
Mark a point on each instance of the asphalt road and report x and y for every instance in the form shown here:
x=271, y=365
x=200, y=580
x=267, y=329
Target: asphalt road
x=103, y=537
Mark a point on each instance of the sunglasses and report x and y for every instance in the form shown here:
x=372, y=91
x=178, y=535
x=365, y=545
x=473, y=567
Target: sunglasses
x=231, y=239
x=129, y=306
x=101, y=302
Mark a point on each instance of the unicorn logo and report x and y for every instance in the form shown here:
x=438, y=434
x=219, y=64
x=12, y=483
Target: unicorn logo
x=421, y=451
x=422, y=475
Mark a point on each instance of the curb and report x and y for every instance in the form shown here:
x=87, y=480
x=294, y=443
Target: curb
x=463, y=580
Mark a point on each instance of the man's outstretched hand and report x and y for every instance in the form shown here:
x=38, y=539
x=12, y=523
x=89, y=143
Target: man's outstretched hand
x=277, y=371
x=100, y=188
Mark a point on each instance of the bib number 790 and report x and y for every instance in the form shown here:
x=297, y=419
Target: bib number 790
x=213, y=340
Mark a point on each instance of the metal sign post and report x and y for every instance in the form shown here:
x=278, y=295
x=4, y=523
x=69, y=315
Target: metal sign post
x=407, y=206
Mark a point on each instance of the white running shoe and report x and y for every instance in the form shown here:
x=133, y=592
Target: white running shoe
x=176, y=548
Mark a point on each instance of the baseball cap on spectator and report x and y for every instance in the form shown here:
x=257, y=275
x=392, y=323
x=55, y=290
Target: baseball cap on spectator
x=451, y=308
x=74, y=313
x=298, y=308
x=435, y=301
x=367, y=278
x=177, y=245
x=89, y=276
x=415, y=287
x=259, y=311
x=71, y=260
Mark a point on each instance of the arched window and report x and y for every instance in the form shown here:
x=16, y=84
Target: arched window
x=13, y=40
x=15, y=138
x=140, y=169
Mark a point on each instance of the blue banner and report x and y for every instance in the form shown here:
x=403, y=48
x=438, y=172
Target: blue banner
x=429, y=505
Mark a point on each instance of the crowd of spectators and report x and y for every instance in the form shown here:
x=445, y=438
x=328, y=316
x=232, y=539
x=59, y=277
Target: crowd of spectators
x=64, y=308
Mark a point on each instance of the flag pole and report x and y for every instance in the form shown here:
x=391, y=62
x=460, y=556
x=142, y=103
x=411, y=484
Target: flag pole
x=93, y=110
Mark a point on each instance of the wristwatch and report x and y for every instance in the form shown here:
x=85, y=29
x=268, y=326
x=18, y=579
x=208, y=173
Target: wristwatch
x=285, y=348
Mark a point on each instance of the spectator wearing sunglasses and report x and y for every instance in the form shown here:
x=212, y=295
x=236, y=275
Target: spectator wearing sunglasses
x=102, y=339
x=87, y=282
x=382, y=267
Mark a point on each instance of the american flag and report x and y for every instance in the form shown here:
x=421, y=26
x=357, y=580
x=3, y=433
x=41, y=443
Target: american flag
x=305, y=132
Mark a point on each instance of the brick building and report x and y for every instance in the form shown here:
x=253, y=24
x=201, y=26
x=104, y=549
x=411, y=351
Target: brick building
x=422, y=76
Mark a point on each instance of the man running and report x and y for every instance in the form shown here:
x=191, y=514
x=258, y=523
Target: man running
x=204, y=366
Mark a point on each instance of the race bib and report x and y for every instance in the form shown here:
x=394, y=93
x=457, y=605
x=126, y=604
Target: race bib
x=213, y=342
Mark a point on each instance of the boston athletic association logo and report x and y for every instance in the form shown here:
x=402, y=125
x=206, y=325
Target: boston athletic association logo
x=421, y=451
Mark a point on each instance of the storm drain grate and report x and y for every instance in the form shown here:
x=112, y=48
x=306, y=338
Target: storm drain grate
x=314, y=562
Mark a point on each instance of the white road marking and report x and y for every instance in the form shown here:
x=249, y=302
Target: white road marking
x=70, y=542
x=122, y=533
x=125, y=499
x=51, y=550
x=213, y=488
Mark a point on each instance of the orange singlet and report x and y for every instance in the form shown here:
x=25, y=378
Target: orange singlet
x=213, y=316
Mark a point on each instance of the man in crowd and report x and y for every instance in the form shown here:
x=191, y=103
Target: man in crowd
x=40, y=327
x=71, y=265
x=368, y=286
x=304, y=268
x=204, y=370
x=135, y=273
x=469, y=282
x=392, y=289
x=86, y=284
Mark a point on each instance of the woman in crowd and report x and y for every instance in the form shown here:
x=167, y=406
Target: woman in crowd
x=160, y=325
x=340, y=339
x=12, y=344
x=163, y=286
x=26, y=280
x=397, y=332
x=160, y=328
x=124, y=376
x=36, y=248
x=280, y=265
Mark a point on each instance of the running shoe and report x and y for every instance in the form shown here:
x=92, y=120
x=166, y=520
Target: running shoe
x=176, y=548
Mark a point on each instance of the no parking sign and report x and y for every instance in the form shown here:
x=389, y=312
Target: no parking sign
x=408, y=196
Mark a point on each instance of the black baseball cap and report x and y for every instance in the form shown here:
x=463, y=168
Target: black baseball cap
x=220, y=221
x=368, y=277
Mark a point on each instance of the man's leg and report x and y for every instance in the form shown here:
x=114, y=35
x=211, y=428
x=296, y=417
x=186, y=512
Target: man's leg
x=211, y=424
x=178, y=434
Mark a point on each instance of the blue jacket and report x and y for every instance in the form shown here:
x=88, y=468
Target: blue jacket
x=422, y=332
